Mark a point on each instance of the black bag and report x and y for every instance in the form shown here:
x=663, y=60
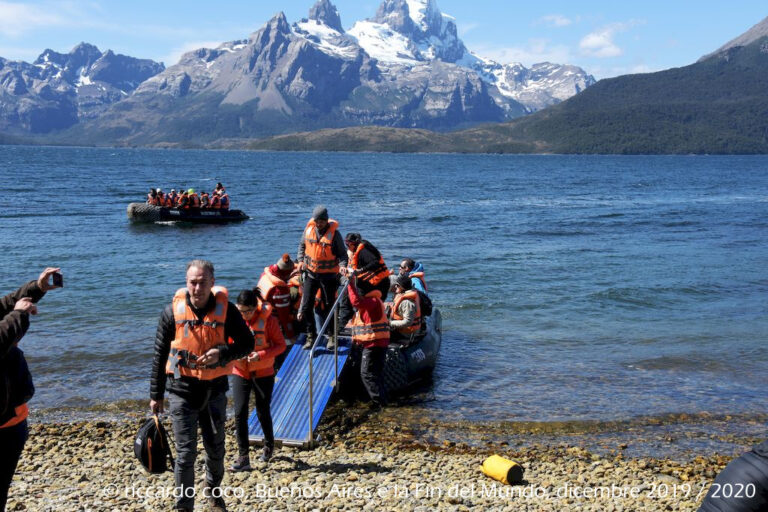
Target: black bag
x=426, y=304
x=151, y=447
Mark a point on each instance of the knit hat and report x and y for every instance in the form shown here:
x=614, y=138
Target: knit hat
x=320, y=213
x=285, y=263
x=353, y=237
x=404, y=282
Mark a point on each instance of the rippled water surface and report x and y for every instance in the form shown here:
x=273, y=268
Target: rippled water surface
x=572, y=287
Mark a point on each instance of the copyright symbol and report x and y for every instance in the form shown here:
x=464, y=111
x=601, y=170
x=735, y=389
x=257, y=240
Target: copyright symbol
x=110, y=491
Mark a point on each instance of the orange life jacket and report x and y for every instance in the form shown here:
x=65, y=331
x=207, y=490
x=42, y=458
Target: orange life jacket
x=169, y=201
x=318, y=249
x=413, y=296
x=364, y=333
x=194, y=201
x=205, y=201
x=215, y=202
x=374, y=276
x=258, y=325
x=151, y=199
x=22, y=411
x=195, y=337
x=420, y=277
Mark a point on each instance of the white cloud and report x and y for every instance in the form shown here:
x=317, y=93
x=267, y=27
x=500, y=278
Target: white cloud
x=175, y=54
x=555, y=20
x=601, y=44
x=534, y=51
x=17, y=18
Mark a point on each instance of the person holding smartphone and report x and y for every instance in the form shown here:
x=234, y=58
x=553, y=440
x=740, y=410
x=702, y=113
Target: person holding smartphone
x=16, y=386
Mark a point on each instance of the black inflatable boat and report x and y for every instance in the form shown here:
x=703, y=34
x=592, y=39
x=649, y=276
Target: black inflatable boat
x=143, y=212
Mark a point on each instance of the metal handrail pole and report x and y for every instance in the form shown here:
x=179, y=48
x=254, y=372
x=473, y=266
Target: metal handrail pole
x=336, y=350
x=312, y=356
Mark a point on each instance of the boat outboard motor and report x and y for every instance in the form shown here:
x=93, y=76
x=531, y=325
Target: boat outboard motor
x=742, y=486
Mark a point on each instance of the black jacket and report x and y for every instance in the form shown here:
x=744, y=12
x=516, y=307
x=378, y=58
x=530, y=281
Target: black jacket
x=16, y=385
x=189, y=387
x=368, y=259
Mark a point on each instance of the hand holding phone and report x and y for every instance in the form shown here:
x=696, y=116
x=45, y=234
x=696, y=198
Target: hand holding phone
x=44, y=281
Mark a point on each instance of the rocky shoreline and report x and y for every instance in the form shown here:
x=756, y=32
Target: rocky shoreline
x=364, y=462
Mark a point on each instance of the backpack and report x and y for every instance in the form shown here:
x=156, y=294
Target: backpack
x=426, y=304
x=151, y=447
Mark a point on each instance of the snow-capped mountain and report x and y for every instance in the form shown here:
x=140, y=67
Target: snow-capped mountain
x=404, y=67
x=57, y=90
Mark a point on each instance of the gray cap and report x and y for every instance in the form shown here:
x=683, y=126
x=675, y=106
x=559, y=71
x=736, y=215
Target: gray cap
x=320, y=213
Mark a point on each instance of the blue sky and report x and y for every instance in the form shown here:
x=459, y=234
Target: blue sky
x=605, y=38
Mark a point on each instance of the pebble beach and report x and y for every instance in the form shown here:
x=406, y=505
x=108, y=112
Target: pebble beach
x=364, y=461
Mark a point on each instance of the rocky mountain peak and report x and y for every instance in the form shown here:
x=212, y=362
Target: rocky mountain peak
x=750, y=36
x=396, y=15
x=325, y=12
x=278, y=23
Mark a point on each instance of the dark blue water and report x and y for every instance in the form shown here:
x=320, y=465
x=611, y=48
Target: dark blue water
x=571, y=286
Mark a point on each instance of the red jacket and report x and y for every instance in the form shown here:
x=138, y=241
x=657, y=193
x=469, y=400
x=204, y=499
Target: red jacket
x=370, y=312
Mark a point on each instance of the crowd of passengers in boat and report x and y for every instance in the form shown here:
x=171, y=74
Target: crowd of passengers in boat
x=189, y=199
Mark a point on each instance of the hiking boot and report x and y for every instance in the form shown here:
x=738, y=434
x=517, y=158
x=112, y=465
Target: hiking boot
x=266, y=454
x=217, y=504
x=243, y=463
x=309, y=342
x=331, y=345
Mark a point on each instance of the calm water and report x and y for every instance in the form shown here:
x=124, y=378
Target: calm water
x=572, y=287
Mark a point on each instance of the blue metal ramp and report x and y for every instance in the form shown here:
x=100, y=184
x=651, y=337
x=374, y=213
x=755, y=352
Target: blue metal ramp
x=290, y=398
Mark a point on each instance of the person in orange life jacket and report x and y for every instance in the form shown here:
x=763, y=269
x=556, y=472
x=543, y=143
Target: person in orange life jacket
x=370, y=332
x=152, y=197
x=415, y=271
x=219, y=187
x=256, y=372
x=366, y=262
x=321, y=255
x=16, y=386
x=171, y=198
x=274, y=288
x=183, y=203
x=405, y=315
x=198, y=336
x=194, y=199
x=205, y=200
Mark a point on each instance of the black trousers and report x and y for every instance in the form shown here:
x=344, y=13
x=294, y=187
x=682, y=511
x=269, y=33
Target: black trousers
x=12, y=440
x=328, y=283
x=345, y=307
x=262, y=391
x=371, y=373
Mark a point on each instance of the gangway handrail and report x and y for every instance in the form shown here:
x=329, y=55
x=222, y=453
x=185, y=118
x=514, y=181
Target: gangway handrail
x=334, y=312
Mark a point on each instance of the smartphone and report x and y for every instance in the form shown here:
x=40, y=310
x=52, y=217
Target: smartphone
x=58, y=279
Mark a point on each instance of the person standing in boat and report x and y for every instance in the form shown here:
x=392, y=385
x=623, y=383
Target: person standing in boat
x=256, y=373
x=16, y=388
x=321, y=255
x=193, y=359
x=368, y=265
x=370, y=333
x=405, y=314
